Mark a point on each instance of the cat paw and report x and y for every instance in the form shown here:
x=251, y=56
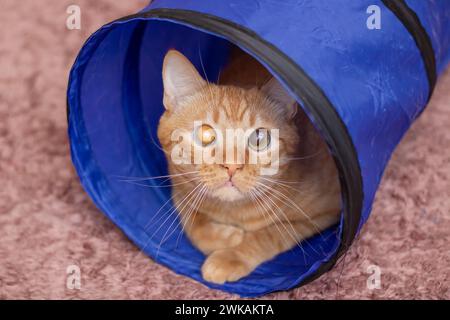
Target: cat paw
x=232, y=236
x=225, y=266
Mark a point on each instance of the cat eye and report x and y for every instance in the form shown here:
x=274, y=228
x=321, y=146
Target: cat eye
x=205, y=135
x=259, y=140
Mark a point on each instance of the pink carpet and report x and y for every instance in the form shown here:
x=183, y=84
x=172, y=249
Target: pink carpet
x=47, y=222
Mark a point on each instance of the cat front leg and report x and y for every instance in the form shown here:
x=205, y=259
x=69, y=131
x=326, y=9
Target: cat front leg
x=209, y=236
x=232, y=264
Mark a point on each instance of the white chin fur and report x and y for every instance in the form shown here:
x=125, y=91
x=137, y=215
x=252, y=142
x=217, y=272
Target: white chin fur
x=228, y=194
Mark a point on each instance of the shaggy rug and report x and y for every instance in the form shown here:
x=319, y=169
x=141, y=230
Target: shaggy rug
x=48, y=226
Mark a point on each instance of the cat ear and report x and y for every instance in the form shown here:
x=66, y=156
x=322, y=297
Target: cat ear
x=275, y=91
x=180, y=78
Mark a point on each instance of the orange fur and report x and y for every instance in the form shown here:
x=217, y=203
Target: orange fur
x=239, y=227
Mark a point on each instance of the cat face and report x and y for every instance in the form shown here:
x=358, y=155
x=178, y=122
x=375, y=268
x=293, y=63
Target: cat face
x=232, y=139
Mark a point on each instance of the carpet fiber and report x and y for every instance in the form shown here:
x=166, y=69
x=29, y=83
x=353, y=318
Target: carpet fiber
x=47, y=222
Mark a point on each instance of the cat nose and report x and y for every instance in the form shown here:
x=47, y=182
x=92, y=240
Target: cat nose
x=232, y=168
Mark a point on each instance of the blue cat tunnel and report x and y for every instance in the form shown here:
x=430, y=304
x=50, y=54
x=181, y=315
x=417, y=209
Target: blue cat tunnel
x=361, y=86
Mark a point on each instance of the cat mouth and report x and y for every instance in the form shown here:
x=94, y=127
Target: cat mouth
x=228, y=191
x=230, y=185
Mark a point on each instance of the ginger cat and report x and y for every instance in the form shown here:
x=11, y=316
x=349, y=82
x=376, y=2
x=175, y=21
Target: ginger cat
x=237, y=216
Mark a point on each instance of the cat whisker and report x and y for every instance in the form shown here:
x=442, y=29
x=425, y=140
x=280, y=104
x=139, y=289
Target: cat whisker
x=198, y=195
x=282, y=235
x=166, y=235
x=163, y=186
x=206, y=77
x=283, y=181
x=193, y=213
x=123, y=178
x=202, y=65
x=148, y=224
x=304, y=157
x=281, y=184
x=172, y=210
x=158, y=146
x=159, y=210
x=277, y=194
x=256, y=200
x=162, y=215
x=261, y=203
x=286, y=219
x=218, y=77
x=269, y=208
x=176, y=209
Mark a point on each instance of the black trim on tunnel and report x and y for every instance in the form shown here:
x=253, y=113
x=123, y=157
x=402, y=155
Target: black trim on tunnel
x=312, y=99
x=412, y=23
